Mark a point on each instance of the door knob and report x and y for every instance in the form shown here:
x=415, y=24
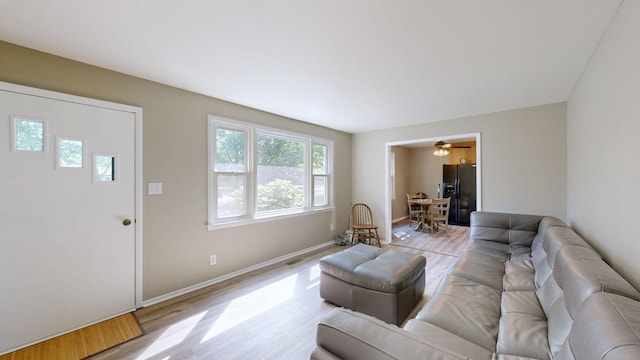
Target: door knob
x=126, y=222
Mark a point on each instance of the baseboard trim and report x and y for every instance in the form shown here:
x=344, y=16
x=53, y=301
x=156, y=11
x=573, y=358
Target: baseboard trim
x=219, y=279
x=400, y=219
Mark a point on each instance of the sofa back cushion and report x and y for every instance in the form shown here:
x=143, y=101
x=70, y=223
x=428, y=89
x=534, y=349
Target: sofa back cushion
x=579, y=272
x=513, y=229
x=559, y=237
x=606, y=327
x=544, y=257
x=546, y=223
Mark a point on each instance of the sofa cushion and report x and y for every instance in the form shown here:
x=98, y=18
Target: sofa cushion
x=518, y=275
x=606, y=327
x=523, y=335
x=350, y=335
x=522, y=302
x=548, y=293
x=489, y=248
x=548, y=222
x=515, y=229
x=559, y=324
x=542, y=268
x=438, y=335
x=523, y=229
x=581, y=272
x=557, y=238
x=466, y=308
x=523, y=326
x=483, y=269
x=490, y=226
x=519, y=251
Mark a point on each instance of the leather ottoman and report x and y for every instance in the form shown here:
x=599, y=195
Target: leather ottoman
x=386, y=284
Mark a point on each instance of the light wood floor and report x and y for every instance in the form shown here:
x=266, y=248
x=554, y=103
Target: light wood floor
x=270, y=313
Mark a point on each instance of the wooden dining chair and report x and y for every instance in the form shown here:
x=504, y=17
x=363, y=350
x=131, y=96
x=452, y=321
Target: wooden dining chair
x=438, y=212
x=362, y=225
x=415, y=211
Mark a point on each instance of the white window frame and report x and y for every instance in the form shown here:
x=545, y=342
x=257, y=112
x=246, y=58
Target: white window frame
x=328, y=158
x=252, y=131
x=83, y=154
x=14, y=134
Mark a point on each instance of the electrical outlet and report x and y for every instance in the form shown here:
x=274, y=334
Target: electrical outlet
x=212, y=260
x=332, y=227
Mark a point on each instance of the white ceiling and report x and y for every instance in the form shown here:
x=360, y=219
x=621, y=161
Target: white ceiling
x=351, y=65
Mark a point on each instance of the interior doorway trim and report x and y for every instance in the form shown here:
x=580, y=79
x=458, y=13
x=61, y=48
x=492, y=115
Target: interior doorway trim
x=388, y=186
x=137, y=112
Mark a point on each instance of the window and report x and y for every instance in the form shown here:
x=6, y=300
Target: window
x=69, y=153
x=320, y=175
x=257, y=173
x=230, y=172
x=280, y=174
x=29, y=134
x=104, y=168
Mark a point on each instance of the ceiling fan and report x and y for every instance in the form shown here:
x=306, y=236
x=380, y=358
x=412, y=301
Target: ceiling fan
x=441, y=148
x=446, y=145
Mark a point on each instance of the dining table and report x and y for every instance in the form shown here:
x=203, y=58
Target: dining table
x=424, y=204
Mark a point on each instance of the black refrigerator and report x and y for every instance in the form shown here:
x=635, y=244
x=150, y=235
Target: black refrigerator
x=459, y=183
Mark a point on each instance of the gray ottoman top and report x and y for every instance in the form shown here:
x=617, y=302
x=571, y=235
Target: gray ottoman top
x=374, y=268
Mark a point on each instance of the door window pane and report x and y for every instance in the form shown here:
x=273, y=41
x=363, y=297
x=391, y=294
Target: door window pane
x=280, y=173
x=104, y=168
x=70, y=153
x=29, y=135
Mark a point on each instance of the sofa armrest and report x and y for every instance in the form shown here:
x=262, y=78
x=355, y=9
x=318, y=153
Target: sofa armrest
x=345, y=334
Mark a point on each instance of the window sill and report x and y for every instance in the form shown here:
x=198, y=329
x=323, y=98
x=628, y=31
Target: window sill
x=266, y=218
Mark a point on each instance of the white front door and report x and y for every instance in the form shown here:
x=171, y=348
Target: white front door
x=67, y=194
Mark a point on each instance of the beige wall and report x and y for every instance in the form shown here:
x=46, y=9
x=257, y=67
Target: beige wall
x=523, y=159
x=603, y=123
x=177, y=244
x=426, y=174
x=456, y=154
x=399, y=204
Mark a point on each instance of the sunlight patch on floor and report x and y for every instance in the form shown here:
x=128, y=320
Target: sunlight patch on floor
x=314, y=272
x=401, y=235
x=173, y=336
x=253, y=304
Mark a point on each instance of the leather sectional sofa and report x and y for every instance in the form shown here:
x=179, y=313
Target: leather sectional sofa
x=527, y=287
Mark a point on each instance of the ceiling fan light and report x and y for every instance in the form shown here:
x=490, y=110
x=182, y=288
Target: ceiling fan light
x=441, y=152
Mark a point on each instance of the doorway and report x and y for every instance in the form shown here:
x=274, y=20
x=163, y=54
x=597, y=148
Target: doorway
x=428, y=144
x=70, y=215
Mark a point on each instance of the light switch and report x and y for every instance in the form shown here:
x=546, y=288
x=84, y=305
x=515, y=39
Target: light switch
x=155, y=188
